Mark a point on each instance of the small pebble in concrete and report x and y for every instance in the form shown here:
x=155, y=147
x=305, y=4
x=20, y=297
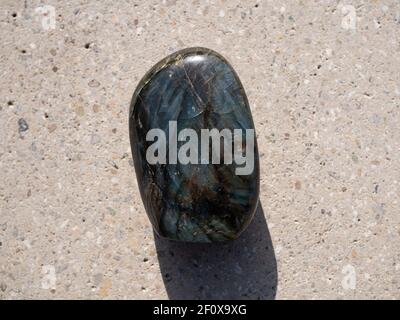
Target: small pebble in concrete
x=22, y=125
x=3, y=286
x=94, y=83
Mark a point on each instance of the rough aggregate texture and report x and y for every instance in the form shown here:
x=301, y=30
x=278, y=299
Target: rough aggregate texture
x=323, y=83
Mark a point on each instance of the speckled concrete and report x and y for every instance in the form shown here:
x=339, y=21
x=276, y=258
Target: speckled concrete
x=323, y=82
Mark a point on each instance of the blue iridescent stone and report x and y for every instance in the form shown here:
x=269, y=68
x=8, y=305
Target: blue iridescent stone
x=195, y=202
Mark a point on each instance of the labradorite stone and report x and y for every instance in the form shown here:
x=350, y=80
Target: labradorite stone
x=198, y=89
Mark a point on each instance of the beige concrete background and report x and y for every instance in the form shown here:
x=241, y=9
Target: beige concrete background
x=323, y=81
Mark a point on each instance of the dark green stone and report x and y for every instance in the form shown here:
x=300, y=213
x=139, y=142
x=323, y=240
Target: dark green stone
x=199, y=89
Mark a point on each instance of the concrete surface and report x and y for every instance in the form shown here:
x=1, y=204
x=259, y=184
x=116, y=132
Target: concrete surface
x=323, y=81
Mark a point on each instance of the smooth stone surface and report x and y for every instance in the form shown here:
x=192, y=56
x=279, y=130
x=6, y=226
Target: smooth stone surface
x=193, y=202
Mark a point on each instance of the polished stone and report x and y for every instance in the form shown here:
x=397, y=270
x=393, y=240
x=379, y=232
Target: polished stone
x=198, y=89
